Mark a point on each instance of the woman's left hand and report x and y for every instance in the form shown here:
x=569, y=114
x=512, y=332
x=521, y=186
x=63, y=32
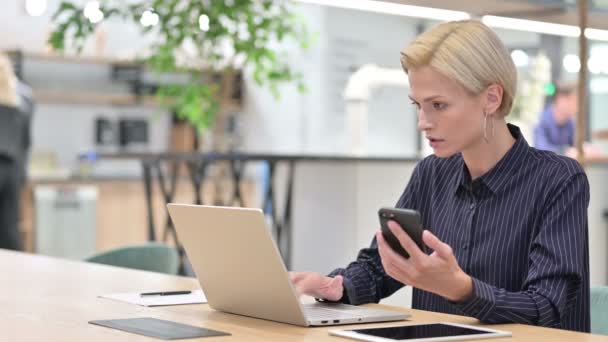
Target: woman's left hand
x=438, y=273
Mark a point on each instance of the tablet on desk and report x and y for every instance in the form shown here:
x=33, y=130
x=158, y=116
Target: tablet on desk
x=421, y=332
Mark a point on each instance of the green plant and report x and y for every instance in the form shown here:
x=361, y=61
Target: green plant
x=220, y=35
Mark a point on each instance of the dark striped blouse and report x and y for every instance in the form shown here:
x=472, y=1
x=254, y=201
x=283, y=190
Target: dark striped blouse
x=520, y=231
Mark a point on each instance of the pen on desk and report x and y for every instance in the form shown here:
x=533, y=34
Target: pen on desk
x=165, y=293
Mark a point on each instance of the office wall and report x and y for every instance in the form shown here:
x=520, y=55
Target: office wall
x=77, y=123
x=316, y=121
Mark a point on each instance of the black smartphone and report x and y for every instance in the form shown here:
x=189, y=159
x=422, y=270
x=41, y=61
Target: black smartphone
x=409, y=220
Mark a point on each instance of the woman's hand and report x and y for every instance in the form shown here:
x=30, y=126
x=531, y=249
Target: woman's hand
x=438, y=273
x=317, y=285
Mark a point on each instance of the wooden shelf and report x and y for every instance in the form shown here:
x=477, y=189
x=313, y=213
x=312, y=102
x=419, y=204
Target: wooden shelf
x=54, y=57
x=84, y=59
x=226, y=81
x=89, y=98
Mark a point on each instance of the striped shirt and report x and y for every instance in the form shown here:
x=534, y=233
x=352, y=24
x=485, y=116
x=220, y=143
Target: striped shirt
x=520, y=231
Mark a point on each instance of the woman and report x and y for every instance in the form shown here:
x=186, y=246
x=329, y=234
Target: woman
x=12, y=135
x=507, y=232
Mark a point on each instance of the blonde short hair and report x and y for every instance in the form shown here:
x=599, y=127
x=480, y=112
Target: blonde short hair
x=8, y=83
x=468, y=52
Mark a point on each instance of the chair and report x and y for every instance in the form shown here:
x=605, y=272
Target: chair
x=599, y=310
x=155, y=257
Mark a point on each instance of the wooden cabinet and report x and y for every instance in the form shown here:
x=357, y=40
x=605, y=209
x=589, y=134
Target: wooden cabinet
x=122, y=217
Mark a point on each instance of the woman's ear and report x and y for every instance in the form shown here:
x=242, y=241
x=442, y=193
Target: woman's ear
x=493, y=98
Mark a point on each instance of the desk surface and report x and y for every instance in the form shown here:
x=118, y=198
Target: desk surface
x=47, y=299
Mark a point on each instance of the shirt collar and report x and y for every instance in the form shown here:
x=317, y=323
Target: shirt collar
x=497, y=177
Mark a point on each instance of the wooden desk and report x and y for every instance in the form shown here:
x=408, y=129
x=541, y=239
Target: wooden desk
x=47, y=299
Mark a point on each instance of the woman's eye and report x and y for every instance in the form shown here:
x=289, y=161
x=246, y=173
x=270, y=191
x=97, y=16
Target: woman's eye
x=439, y=105
x=416, y=104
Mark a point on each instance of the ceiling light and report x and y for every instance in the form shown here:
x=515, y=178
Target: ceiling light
x=520, y=58
x=596, y=34
x=203, y=22
x=93, y=12
x=393, y=8
x=543, y=27
x=449, y=15
x=35, y=8
x=571, y=63
x=90, y=8
x=149, y=18
x=531, y=26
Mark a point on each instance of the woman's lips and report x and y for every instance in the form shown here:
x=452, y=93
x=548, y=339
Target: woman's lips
x=434, y=142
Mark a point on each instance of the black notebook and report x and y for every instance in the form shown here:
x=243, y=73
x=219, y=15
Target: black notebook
x=158, y=328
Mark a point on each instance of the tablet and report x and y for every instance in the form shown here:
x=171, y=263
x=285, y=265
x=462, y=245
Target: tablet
x=421, y=332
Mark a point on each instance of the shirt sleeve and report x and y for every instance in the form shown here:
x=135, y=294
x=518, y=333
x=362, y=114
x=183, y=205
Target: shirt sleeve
x=559, y=261
x=365, y=280
x=542, y=140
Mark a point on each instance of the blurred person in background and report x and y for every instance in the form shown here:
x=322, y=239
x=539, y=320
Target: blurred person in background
x=16, y=108
x=555, y=129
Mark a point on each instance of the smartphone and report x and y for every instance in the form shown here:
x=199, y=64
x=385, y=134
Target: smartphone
x=409, y=220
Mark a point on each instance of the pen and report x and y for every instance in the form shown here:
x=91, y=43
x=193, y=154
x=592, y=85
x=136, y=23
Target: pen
x=165, y=293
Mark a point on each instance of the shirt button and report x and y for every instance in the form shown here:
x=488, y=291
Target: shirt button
x=465, y=246
x=472, y=206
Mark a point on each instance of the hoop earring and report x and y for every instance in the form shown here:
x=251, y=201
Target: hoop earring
x=485, y=127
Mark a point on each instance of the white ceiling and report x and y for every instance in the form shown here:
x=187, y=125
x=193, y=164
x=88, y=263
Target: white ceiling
x=542, y=10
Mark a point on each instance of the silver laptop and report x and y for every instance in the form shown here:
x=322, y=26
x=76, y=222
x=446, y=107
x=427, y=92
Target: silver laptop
x=240, y=270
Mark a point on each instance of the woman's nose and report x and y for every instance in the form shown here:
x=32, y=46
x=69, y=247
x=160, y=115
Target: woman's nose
x=423, y=123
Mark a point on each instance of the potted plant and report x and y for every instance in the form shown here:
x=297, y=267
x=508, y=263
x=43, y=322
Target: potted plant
x=199, y=38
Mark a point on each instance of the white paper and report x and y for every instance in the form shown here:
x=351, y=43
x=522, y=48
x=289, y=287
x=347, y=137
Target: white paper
x=195, y=297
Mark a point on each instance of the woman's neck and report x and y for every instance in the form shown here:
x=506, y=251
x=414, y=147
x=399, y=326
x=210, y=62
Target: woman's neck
x=485, y=155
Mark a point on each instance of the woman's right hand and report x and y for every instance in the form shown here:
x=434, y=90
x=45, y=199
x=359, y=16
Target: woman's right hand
x=317, y=285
